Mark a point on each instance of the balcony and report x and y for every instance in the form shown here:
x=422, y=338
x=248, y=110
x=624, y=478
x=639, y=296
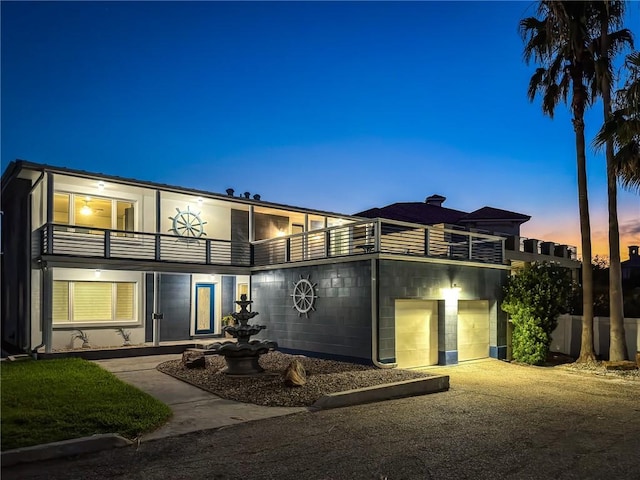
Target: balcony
x=358, y=238
x=380, y=237
x=55, y=239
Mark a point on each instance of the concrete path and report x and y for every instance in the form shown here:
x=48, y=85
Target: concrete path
x=193, y=409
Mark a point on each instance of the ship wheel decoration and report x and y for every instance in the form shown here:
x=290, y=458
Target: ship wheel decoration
x=187, y=224
x=304, y=296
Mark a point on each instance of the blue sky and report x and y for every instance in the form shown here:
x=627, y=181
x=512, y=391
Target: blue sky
x=335, y=106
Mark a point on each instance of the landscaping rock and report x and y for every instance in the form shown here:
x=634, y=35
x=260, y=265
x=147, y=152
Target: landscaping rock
x=295, y=374
x=194, y=359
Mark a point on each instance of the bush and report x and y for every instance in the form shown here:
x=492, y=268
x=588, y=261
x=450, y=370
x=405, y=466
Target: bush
x=534, y=297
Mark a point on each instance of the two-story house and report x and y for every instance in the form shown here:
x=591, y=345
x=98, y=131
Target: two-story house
x=100, y=253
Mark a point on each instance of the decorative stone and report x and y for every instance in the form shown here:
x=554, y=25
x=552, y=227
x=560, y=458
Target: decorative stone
x=295, y=374
x=194, y=360
x=622, y=365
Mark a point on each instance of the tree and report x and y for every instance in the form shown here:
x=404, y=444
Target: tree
x=534, y=297
x=623, y=127
x=610, y=14
x=559, y=42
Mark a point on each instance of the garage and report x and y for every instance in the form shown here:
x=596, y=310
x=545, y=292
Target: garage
x=473, y=329
x=416, y=329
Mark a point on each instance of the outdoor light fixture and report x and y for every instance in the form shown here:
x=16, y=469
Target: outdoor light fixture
x=280, y=233
x=97, y=273
x=451, y=293
x=100, y=186
x=200, y=200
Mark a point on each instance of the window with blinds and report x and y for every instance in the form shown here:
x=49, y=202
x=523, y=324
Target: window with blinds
x=94, y=301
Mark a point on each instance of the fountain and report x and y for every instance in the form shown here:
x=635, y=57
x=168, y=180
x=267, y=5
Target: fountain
x=242, y=356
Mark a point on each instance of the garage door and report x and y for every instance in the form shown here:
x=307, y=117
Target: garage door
x=416, y=333
x=473, y=329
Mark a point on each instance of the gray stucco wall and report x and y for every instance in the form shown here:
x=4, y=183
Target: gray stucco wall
x=416, y=280
x=340, y=326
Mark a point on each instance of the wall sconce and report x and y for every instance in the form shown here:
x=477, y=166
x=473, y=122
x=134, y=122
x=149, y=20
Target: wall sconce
x=280, y=233
x=452, y=293
x=200, y=200
x=97, y=273
x=100, y=186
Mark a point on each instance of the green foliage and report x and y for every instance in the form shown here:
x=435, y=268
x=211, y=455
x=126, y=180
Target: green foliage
x=50, y=400
x=534, y=297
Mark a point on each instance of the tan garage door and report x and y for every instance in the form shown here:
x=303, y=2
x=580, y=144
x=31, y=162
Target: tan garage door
x=473, y=329
x=416, y=333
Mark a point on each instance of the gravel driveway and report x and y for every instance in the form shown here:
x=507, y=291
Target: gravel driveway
x=498, y=420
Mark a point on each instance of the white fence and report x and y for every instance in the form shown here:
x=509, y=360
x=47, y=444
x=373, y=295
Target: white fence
x=566, y=337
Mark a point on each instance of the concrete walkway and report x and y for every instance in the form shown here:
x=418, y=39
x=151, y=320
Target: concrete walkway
x=193, y=409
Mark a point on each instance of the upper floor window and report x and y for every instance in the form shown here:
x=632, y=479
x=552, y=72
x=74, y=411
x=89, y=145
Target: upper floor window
x=93, y=212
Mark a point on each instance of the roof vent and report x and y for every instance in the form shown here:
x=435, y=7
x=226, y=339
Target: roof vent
x=247, y=195
x=256, y=196
x=230, y=191
x=435, y=200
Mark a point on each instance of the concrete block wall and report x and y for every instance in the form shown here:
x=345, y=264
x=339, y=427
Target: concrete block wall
x=340, y=326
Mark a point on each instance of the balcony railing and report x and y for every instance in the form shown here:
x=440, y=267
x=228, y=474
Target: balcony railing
x=381, y=236
x=58, y=239
x=358, y=238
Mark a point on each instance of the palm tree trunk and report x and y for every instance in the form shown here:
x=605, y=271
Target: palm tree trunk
x=617, y=340
x=587, y=353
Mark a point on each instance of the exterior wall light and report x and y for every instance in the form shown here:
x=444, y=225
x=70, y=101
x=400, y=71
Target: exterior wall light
x=97, y=273
x=452, y=293
x=199, y=200
x=100, y=186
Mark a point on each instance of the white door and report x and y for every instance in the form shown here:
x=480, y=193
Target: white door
x=473, y=329
x=416, y=333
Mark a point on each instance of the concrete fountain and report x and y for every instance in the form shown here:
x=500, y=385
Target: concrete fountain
x=242, y=356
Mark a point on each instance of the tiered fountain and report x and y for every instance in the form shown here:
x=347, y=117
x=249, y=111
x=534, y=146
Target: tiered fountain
x=242, y=356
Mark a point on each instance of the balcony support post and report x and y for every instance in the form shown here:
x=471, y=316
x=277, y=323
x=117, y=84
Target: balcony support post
x=107, y=244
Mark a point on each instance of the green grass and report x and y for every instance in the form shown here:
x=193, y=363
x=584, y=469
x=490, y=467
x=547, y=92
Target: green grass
x=50, y=400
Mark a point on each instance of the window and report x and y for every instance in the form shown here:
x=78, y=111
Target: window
x=94, y=302
x=93, y=212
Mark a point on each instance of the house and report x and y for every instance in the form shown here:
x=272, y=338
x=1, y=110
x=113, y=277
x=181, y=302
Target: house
x=100, y=253
x=631, y=266
x=518, y=250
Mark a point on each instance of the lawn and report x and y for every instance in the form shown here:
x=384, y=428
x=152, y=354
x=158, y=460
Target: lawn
x=50, y=400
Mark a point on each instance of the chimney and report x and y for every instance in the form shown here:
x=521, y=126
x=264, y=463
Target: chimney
x=435, y=200
x=230, y=191
x=256, y=196
x=247, y=195
x=633, y=252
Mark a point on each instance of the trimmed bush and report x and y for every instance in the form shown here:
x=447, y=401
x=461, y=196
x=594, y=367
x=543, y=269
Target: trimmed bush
x=534, y=297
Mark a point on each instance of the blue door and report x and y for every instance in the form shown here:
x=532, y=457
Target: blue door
x=205, y=308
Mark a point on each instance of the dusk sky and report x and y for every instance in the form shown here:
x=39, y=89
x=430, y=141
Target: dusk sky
x=334, y=106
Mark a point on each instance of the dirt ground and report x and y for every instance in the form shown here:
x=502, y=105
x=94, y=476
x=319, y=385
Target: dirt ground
x=498, y=420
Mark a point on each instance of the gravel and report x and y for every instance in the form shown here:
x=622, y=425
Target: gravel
x=323, y=377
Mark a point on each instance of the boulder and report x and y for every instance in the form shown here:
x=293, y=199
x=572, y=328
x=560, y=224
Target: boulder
x=194, y=359
x=295, y=374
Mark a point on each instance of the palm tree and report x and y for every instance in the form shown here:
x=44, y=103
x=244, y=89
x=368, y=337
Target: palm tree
x=559, y=42
x=610, y=14
x=623, y=128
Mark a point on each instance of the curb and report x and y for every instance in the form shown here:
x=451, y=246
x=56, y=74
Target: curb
x=407, y=388
x=64, y=448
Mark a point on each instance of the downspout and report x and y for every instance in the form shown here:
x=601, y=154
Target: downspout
x=34, y=351
x=374, y=318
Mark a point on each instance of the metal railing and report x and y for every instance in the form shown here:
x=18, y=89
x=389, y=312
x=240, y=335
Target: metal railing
x=380, y=236
x=57, y=239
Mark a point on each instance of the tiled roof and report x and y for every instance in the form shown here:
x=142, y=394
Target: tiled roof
x=490, y=213
x=415, y=212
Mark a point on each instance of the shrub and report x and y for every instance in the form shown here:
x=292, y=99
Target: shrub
x=534, y=297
